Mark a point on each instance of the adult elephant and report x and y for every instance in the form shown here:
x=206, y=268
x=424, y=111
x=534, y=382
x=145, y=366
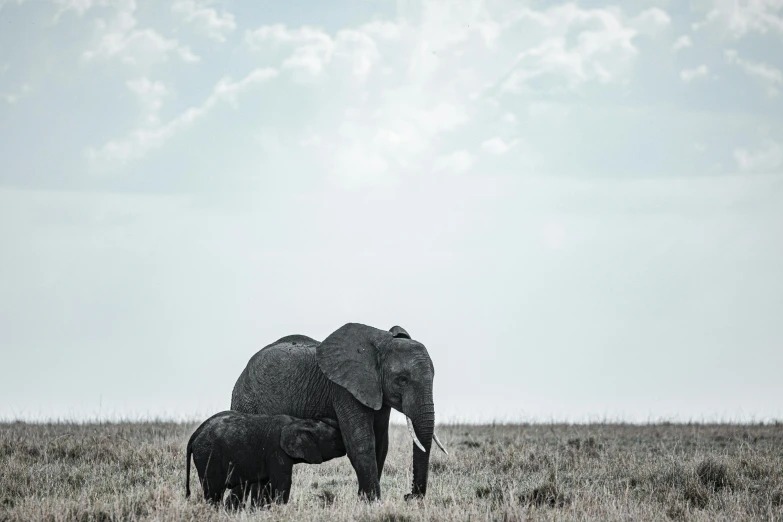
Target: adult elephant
x=356, y=375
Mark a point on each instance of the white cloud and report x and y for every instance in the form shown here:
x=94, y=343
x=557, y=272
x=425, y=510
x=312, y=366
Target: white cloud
x=689, y=75
x=314, y=49
x=354, y=166
x=78, y=6
x=603, y=45
x=143, y=139
x=459, y=161
x=383, y=30
x=553, y=234
x=120, y=39
x=740, y=17
x=548, y=110
x=497, y=146
x=768, y=76
x=681, y=43
x=447, y=24
x=358, y=49
x=13, y=97
x=768, y=157
x=651, y=21
x=3, y=3
x=205, y=20
x=444, y=116
x=509, y=117
x=151, y=96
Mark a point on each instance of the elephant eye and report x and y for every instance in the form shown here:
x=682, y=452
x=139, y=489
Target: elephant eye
x=402, y=380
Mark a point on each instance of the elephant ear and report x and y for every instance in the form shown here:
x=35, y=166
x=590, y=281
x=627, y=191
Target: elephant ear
x=398, y=332
x=349, y=358
x=297, y=440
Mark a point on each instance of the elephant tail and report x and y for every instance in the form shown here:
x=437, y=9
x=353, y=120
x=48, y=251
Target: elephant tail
x=188, y=453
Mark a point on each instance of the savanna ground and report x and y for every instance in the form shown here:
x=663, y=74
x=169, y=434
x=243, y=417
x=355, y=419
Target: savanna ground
x=136, y=471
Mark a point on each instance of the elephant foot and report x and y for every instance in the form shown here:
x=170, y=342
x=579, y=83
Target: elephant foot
x=414, y=496
x=369, y=496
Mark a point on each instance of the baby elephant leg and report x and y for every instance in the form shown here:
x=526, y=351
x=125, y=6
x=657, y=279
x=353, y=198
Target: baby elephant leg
x=213, y=496
x=249, y=493
x=260, y=493
x=280, y=488
x=234, y=498
x=213, y=484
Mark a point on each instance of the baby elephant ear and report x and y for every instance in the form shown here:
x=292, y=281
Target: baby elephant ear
x=399, y=332
x=298, y=442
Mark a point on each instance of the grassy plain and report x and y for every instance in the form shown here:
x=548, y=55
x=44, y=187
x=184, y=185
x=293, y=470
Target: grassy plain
x=136, y=471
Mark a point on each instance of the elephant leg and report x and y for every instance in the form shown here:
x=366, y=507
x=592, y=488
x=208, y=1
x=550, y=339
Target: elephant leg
x=265, y=493
x=381, y=429
x=233, y=499
x=356, y=426
x=259, y=493
x=281, y=488
x=214, y=485
x=214, y=495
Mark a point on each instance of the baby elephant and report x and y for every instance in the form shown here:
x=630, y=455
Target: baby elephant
x=256, y=453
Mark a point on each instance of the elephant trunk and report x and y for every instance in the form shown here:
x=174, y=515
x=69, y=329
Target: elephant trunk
x=423, y=425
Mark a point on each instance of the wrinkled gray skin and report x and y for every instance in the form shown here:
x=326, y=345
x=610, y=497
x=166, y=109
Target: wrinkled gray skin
x=356, y=375
x=255, y=454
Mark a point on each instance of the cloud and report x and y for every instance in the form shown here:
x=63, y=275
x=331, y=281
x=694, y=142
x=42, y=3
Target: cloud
x=358, y=49
x=205, y=20
x=553, y=235
x=681, y=43
x=314, y=49
x=78, y=6
x=458, y=162
x=768, y=76
x=382, y=29
x=424, y=78
x=3, y=3
x=150, y=95
x=739, y=18
x=13, y=97
x=143, y=139
x=689, y=75
x=601, y=49
x=651, y=21
x=120, y=39
x=444, y=25
x=497, y=146
x=768, y=157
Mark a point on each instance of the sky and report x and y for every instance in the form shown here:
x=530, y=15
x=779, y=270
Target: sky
x=577, y=207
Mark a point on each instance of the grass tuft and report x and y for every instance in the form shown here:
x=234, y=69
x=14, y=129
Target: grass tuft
x=327, y=497
x=714, y=475
x=676, y=512
x=491, y=492
x=393, y=517
x=696, y=494
x=545, y=495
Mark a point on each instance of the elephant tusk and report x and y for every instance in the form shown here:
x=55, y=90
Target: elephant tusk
x=413, y=434
x=437, y=441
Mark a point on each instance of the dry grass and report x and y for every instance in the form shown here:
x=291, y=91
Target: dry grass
x=135, y=471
